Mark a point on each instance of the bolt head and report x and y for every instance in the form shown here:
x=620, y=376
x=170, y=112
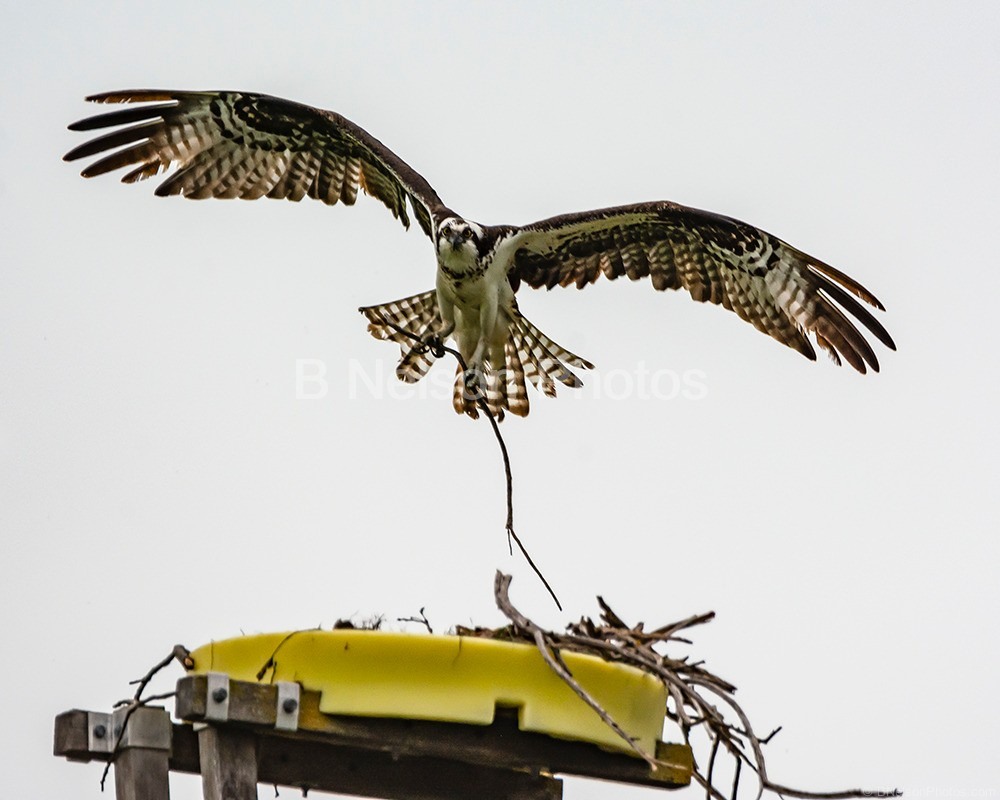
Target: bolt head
x=220, y=695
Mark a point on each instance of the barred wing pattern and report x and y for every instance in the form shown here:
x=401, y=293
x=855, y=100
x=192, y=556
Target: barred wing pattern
x=236, y=144
x=778, y=289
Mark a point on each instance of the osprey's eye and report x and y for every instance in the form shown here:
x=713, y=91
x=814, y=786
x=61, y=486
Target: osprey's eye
x=467, y=233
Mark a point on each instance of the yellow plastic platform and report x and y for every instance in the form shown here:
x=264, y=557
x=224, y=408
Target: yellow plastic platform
x=450, y=679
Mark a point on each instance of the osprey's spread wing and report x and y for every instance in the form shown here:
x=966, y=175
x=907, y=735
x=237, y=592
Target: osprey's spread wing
x=779, y=289
x=235, y=144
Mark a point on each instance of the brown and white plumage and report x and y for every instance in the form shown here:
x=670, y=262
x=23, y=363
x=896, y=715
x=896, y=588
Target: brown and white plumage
x=780, y=290
x=236, y=144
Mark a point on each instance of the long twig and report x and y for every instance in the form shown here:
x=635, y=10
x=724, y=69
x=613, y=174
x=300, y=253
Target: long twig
x=179, y=653
x=438, y=349
x=692, y=690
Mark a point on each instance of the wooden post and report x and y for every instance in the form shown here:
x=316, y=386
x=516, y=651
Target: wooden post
x=142, y=763
x=142, y=774
x=228, y=763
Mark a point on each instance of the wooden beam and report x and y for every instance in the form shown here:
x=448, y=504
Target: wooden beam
x=501, y=745
x=388, y=758
x=70, y=737
x=71, y=742
x=309, y=764
x=306, y=761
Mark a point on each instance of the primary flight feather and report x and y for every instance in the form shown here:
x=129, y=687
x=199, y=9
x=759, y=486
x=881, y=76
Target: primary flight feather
x=237, y=144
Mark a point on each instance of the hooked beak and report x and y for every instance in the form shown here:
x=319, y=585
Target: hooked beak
x=456, y=240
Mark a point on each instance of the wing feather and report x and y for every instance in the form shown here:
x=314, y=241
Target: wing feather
x=780, y=290
x=143, y=153
x=262, y=178
x=147, y=169
x=237, y=144
x=863, y=315
x=297, y=179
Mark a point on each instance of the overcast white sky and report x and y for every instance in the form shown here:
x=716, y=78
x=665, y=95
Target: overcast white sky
x=161, y=482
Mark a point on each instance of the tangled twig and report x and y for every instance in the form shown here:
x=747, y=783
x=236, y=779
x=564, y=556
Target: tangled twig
x=438, y=349
x=551, y=655
x=692, y=691
x=179, y=653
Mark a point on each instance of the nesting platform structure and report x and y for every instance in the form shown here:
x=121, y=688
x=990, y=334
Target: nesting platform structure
x=380, y=715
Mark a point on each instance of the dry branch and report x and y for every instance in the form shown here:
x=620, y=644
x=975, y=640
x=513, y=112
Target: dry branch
x=179, y=653
x=421, y=620
x=438, y=348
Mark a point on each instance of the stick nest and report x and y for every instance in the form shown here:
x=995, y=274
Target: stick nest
x=697, y=700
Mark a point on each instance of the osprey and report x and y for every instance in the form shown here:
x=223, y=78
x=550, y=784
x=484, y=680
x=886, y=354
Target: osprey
x=236, y=144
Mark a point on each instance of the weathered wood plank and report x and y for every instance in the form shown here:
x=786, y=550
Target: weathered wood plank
x=70, y=736
x=388, y=758
x=71, y=742
x=228, y=763
x=306, y=764
x=500, y=745
x=303, y=761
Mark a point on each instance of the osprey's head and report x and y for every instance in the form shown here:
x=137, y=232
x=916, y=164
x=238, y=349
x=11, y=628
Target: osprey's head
x=458, y=239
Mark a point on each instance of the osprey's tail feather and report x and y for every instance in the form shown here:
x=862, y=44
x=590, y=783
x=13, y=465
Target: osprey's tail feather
x=418, y=315
x=544, y=359
x=503, y=388
x=528, y=353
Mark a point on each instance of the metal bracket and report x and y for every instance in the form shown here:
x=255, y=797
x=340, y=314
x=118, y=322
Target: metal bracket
x=147, y=727
x=217, y=697
x=100, y=733
x=287, y=717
